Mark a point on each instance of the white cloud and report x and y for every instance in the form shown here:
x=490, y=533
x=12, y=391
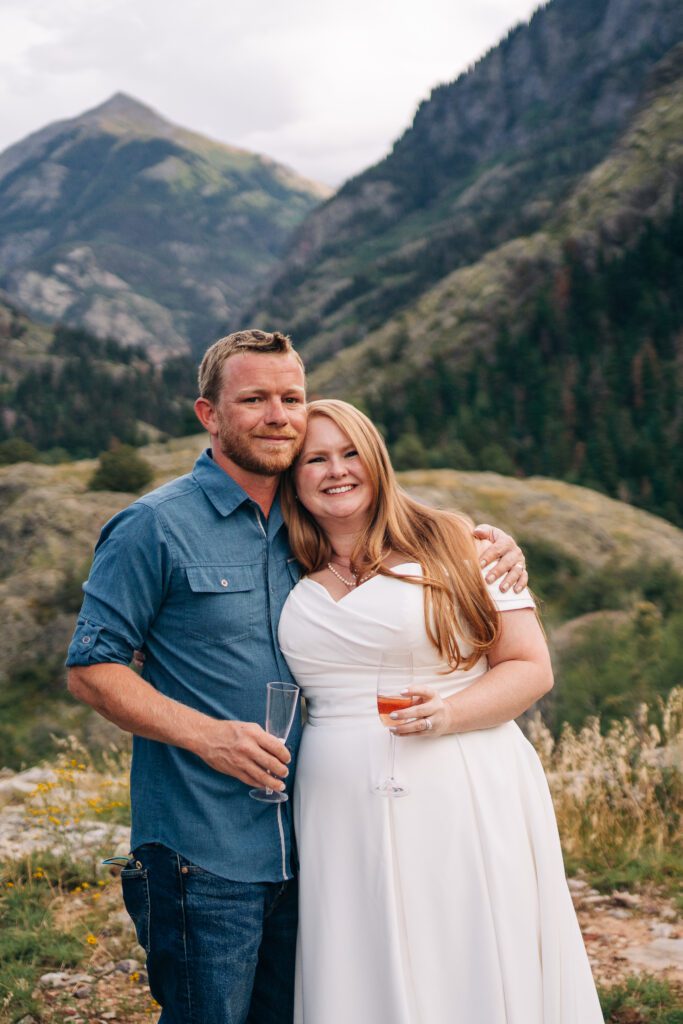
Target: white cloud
x=323, y=87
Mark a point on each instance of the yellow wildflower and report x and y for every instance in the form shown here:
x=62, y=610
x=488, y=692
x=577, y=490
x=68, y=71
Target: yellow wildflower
x=90, y=939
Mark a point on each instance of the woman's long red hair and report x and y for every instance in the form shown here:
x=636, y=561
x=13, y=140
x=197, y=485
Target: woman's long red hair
x=458, y=607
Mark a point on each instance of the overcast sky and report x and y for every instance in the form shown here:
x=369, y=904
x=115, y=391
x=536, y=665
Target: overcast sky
x=324, y=86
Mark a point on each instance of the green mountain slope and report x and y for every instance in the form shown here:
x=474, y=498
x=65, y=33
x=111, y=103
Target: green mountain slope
x=487, y=159
x=559, y=352
x=67, y=393
x=122, y=223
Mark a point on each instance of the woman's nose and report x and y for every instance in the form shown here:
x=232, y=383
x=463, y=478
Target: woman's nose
x=336, y=467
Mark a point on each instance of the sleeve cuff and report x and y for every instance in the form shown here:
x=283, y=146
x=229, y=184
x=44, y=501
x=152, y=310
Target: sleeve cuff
x=94, y=645
x=508, y=600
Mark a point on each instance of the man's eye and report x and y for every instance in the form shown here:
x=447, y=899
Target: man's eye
x=293, y=400
x=252, y=399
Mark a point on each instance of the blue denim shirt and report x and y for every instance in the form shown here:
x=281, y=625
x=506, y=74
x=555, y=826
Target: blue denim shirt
x=196, y=575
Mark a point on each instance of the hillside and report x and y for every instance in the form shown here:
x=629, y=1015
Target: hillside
x=66, y=393
x=119, y=222
x=487, y=159
x=558, y=352
x=587, y=554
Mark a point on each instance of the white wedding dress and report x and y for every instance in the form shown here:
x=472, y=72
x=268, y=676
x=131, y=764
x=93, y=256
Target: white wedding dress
x=446, y=906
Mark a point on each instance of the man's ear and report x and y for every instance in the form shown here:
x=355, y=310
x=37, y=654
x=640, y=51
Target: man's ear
x=204, y=412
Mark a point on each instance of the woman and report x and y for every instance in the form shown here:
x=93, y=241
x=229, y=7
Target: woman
x=448, y=906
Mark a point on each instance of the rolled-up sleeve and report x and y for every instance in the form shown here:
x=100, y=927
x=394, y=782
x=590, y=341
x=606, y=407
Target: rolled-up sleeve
x=125, y=589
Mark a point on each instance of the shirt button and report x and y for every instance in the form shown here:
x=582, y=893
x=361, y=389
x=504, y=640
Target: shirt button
x=224, y=583
x=85, y=640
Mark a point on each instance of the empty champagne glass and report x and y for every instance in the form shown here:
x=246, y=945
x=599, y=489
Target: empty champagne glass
x=281, y=701
x=394, y=675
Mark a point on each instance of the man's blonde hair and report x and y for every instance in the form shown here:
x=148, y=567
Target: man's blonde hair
x=210, y=376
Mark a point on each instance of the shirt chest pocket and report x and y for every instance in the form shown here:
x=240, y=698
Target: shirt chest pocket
x=221, y=603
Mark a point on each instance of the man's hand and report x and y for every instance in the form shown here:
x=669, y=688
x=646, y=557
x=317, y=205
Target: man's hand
x=511, y=562
x=241, y=749
x=247, y=752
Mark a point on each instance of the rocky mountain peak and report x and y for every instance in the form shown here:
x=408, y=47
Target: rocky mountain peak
x=124, y=112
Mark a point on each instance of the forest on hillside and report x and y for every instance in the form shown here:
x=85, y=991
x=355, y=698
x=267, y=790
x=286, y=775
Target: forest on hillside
x=589, y=390
x=88, y=394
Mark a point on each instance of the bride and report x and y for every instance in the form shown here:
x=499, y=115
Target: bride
x=449, y=906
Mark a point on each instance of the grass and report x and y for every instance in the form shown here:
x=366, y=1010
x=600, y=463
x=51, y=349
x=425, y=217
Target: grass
x=653, y=867
x=30, y=942
x=618, y=801
x=642, y=1000
x=619, y=805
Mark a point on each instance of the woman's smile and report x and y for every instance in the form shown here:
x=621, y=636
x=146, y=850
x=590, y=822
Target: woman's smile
x=330, y=477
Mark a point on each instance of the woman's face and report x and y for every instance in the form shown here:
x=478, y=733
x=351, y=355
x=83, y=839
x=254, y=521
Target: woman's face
x=330, y=479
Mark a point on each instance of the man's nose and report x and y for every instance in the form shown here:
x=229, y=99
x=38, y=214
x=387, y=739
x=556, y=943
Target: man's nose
x=276, y=412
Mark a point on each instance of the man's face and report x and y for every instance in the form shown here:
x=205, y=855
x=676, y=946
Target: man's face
x=260, y=415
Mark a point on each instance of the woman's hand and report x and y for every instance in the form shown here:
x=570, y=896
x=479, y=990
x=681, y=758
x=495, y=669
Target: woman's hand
x=430, y=716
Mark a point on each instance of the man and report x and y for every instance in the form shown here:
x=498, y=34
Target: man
x=197, y=572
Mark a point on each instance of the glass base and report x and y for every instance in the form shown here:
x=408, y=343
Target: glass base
x=268, y=796
x=390, y=787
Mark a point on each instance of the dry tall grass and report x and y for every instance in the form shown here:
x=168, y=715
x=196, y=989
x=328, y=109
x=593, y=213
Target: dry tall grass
x=618, y=795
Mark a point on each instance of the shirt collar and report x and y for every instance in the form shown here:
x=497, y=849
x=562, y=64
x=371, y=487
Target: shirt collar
x=225, y=494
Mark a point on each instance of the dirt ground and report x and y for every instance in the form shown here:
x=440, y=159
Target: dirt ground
x=625, y=934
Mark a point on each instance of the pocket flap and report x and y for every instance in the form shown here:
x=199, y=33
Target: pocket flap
x=220, y=579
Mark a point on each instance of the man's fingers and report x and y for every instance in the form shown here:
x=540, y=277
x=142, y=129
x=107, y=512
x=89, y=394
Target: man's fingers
x=274, y=746
x=485, y=532
x=522, y=582
x=262, y=780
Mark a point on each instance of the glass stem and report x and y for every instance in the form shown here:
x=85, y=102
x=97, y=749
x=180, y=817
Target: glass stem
x=392, y=740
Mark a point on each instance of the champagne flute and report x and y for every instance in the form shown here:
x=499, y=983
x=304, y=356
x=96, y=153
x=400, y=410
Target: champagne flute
x=395, y=674
x=281, y=702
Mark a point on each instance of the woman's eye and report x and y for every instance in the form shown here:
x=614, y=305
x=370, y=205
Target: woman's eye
x=351, y=454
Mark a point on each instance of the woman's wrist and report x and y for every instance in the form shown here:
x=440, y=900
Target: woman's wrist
x=450, y=707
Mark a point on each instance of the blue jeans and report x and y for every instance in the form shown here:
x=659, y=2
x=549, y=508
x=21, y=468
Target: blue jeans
x=218, y=952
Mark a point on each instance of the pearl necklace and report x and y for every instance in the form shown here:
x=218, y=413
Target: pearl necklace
x=355, y=582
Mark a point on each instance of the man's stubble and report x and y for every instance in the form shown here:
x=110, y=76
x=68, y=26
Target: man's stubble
x=241, y=449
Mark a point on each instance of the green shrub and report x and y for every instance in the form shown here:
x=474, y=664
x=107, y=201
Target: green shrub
x=642, y=1000
x=121, y=469
x=15, y=449
x=409, y=453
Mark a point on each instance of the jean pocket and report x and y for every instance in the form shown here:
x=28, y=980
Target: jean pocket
x=221, y=603
x=135, y=885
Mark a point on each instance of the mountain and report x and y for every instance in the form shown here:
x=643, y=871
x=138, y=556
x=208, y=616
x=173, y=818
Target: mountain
x=588, y=555
x=65, y=393
x=124, y=224
x=558, y=352
x=486, y=160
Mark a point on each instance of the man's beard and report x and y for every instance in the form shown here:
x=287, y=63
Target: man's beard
x=241, y=450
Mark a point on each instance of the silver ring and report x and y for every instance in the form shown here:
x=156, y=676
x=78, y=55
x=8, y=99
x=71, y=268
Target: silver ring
x=428, y=723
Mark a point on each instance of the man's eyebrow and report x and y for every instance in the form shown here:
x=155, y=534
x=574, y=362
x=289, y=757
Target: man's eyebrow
x=254, y=390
